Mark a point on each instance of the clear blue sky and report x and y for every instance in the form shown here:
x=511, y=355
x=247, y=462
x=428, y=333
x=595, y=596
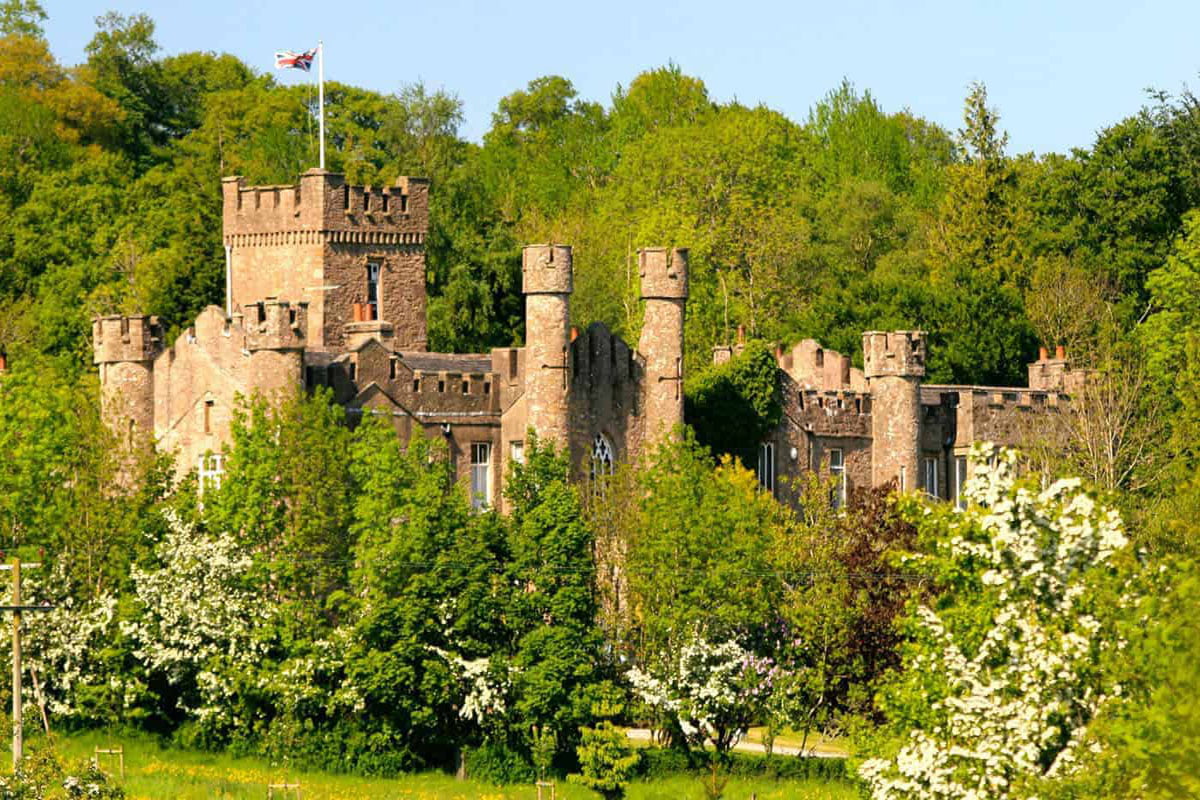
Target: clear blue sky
x=1058, y=71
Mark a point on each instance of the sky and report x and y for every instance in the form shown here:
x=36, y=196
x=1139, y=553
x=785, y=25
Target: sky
x=1058, y=72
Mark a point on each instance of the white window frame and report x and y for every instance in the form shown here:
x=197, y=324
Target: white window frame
x=210, y=470
x=374, y=278
x=931, y=476
x=766, y=466
x=960, y=479
x=481, y=475
x=837, y=469
x=516, y=451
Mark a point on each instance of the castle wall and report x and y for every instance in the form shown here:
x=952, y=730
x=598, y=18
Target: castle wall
x=213, y=366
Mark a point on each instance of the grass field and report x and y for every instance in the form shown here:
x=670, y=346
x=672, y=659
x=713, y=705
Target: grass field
x=154, y=772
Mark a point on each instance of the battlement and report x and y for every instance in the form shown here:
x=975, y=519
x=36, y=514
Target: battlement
x=273, y=325
x=547, y=269
x=322, y=202
x=664, y=272
x=117, y=338
x=1055, y=374
x=834, y=402
x=894, y=353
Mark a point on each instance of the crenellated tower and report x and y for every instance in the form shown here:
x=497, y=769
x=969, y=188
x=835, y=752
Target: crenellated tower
x=894, y=364
x=336, y=248
x=275, y=338
x=547, y=283
x=664, y=290
x=124, y=349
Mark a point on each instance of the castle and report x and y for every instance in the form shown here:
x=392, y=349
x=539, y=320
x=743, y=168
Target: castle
x=325, y=286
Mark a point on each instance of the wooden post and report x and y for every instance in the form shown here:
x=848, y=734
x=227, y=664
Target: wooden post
x=18, y=744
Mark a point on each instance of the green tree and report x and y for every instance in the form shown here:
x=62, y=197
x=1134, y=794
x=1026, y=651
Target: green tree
x=22, y=18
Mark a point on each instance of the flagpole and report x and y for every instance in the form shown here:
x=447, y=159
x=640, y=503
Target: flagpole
x=321, y=95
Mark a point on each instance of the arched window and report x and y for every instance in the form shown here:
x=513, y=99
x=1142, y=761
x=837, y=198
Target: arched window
x=602, y=457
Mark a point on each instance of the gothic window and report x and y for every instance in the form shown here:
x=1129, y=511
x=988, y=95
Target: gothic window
x=602, y=457
x=766, y=466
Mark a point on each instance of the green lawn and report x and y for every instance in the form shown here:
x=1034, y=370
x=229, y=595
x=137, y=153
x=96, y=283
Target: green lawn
x=154, y=772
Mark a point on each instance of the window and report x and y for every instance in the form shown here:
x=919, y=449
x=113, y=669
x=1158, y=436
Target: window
x=208, y=408
x=516, y=452
x=602, y=457
x=211, y=469
x=766, y=466
x=373, y=268
x=481, y=475
x=931, y=477
x=960, y=480
x=837, y=469
x=903, y=477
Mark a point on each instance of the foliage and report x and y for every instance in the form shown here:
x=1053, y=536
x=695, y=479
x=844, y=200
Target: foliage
x=606, y=761
x=710, y=691
x=1002, y=675
x=42, y=775
x=745, y=388
x=202, y=627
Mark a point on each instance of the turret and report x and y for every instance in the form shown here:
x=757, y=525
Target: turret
x=124, y=349
x=894, y=364
x=547, y=283
x=275, y=338
x=664, y=290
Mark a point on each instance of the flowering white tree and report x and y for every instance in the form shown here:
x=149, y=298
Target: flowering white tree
x=1001, y=679
x=200, y=626
x=712, y=691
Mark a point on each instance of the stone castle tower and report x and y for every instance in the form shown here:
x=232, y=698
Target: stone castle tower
x=547, y=280
x=664, y=291
x=332, y=246
x=894, y=364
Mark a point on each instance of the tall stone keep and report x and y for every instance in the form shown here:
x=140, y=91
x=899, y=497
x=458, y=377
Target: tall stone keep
x=664, y=275
x=124, y=348
x=335, y=247
x=547, y=283
x=893, y=364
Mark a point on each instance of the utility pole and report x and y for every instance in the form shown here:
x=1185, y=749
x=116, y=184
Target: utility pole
x=18, y=744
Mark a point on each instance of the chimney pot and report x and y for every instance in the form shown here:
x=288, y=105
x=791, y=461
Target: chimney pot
x=741, y=334
x=1043, y=354
x=778, y=352
x=1060, y=352
x=574, y=333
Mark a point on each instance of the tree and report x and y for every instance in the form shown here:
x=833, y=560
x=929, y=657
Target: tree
x=1002, y=676
x=22, y=18
x=552, y=606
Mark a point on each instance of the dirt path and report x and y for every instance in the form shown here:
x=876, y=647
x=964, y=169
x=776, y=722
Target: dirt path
x=643, y=735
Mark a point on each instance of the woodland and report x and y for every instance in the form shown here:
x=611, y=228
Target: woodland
x=336, y=602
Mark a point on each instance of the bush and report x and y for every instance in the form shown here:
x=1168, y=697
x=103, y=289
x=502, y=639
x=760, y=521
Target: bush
x=498, y=764
x=605, y=761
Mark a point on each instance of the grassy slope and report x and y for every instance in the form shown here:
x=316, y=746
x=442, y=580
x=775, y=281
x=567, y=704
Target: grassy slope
x=153, y=772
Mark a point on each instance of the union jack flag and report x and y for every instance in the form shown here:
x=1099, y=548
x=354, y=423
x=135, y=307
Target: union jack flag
x=286, y=59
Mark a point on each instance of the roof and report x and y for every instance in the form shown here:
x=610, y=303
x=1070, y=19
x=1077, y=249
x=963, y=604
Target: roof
x=468, y=363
